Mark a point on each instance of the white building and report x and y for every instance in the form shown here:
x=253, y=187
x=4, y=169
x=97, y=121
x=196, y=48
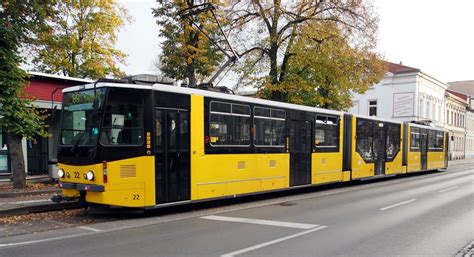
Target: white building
x=405, y=94
x=470, y=129
x=467, y=88
x=456, y=105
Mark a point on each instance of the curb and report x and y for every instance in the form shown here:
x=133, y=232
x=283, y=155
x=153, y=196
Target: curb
x=26, y=193
x=23, y=210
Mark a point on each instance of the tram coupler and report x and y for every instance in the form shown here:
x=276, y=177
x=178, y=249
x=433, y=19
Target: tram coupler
x=60, y=198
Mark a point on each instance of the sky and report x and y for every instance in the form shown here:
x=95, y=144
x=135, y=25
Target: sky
x=433, y=35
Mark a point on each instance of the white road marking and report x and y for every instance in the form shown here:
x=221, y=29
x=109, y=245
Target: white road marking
x=29, y=201
x=397, y=204
x=90, y=229
x=255, y=247
x=43, y=240
x=447, y=189
x=262, y=222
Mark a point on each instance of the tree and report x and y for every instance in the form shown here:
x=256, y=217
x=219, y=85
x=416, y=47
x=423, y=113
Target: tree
x=324, y=73
x=186, y=53
x=18, y=118
x=293, y=31
x=78, y=40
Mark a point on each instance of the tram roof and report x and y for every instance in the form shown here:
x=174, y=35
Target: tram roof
x=377, y=118
x=427, y=127
x=193, y=91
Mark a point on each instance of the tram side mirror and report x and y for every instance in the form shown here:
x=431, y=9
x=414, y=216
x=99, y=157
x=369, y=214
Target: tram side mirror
x=452, y=138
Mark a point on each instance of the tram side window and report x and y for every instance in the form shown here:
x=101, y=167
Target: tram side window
x=364, y=141
x=414, y=139
x=435, y=140
x=439, y=140
x=393, y=140
x=431, y=140
x=123, y=120
x=326, y=133
x=229, y=124
x=269, y=127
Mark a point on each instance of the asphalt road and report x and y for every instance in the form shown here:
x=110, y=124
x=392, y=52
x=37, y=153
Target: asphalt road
x=427, y=215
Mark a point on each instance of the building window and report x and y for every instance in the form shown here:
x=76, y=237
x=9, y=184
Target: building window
x=439, y=113
x=428, y=110
x=433, y=114
x=372, y=107
x=421, y=107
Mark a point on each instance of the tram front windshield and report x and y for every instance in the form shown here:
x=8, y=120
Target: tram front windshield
x=80, y=117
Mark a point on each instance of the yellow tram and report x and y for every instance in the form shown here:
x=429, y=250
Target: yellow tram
x=139, y=145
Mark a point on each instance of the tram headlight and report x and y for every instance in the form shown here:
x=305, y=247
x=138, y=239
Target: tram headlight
x=61, y=173
x=90, y=175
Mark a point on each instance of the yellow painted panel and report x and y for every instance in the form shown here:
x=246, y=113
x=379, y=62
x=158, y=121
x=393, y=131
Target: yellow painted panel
x=212, y=190
x=124, y=197
x=272, y=184
x=395, y=167
x=242, y=187
x=197, y=144
x=346, y=176
x=413, y=161
x=323, y=178
x=141, y=182
x=77, y=173
x=435, y=160
x=242, y=173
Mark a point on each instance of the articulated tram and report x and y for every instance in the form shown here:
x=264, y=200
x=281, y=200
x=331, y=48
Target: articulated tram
x=147, y=146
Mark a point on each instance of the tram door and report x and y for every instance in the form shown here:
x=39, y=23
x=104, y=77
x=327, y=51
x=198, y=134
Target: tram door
x=424, y=148
x=300, y=152
x=380, y=148
x=172, y=155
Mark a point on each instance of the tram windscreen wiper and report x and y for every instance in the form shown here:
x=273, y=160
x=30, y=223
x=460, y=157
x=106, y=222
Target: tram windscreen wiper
x=76, y=143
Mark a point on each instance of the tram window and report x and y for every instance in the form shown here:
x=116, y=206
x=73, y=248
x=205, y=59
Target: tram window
x=269, y=127
x=172, y=129
x=364, y=139
x=431, y=139
x=240, y=109
x=414, y=139
x=262, y=112
x=220, y=107
x=439, y=140
x=229, y=124
x=123, y=120
x=326, y=133
x=184, y=131
x=393, y=140
x=158, y=129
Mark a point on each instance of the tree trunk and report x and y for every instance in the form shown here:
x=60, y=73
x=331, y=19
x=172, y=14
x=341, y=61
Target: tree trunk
x=191, y=67
x=191, y=74
x=17, y=161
